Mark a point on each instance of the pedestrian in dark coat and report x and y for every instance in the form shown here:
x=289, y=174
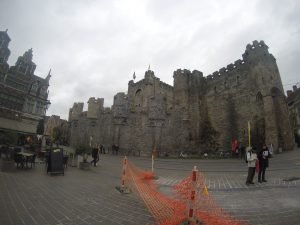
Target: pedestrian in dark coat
x=95, y=155
x=263, y=157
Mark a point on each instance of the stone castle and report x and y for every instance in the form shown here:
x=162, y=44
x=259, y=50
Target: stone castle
x=197, y=114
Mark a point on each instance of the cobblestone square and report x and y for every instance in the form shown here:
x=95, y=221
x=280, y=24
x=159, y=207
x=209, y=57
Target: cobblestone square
x=89, y=197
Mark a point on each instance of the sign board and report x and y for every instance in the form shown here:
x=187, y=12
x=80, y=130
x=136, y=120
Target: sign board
x=55, y=161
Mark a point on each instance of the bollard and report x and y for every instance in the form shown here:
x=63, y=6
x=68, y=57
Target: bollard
x=191, y=219
x=123, y=188
x=193, y=193
x=124, y=172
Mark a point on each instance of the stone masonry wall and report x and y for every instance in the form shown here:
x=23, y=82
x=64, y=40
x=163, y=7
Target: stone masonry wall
x=198, y=114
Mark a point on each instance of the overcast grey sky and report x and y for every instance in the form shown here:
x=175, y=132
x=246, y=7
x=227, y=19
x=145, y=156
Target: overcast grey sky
x=94, y=46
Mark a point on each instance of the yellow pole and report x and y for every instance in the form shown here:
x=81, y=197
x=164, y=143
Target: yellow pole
x=249, y=134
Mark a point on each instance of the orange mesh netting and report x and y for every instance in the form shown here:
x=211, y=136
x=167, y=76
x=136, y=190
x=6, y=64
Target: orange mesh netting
x=175, y=210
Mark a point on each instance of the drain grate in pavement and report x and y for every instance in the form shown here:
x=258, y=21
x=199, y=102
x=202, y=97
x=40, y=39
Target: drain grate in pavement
x=291, y=179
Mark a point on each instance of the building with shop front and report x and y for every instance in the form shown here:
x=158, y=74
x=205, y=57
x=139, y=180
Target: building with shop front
x=23, y=95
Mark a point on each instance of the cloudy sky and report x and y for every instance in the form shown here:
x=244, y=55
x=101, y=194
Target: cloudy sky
x=94, y=46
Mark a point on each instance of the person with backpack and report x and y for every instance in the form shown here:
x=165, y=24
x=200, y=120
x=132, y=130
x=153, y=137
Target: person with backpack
x=251, y=158
x=263, y=157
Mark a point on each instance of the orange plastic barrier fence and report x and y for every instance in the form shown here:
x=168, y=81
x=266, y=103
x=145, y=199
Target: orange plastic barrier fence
x=190, y=202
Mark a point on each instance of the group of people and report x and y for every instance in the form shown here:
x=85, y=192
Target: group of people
x=257, y=159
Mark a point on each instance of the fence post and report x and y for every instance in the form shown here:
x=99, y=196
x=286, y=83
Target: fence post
x=124, y=172
x=123, y=188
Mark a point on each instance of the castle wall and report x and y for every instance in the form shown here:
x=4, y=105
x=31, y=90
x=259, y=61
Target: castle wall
x=199, y=114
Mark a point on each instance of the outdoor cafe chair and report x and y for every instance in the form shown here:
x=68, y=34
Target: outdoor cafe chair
x=32, y=161
x=19, y=160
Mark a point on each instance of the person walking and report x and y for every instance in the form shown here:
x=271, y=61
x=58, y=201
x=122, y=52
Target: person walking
x=263, y=157
x=234, y=147
x=243, y=152
x=113, y=148
x=95, y=155
x=117, y=149
x=251, y=159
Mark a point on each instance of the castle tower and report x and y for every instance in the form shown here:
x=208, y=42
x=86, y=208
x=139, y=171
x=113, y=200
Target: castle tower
x=75, y=111
x=74, y=119
x=189, y=102
x=94, y=107
x=181, y=91
x=271, y=124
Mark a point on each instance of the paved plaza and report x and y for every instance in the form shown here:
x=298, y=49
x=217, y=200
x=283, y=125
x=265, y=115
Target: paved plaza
x=31, y=197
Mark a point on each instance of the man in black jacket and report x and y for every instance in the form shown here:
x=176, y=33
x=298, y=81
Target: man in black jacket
x=263, y=157
x=95, y=155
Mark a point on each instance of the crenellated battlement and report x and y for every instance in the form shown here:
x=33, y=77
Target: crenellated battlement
x=254, y=50
x=181, y=73
x=94, y=101
x=197, y=73
x=120, y=98
x=94, y=107
x=139, y=83
x=107, y=110
x=185, y=73
x=165, y=86
x=150, y=78
x=257, y=45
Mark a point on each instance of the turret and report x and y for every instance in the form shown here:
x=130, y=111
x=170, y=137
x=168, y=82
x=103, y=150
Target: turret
x=256, y=51
x=181, y=86
x=186, y=85
x=120, y=106
x=149, y=77
x=24, y=63
x=75, y=111
x=94, y=107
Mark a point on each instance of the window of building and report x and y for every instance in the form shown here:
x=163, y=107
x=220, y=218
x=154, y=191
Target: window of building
x=259, y=98
x=22, y=69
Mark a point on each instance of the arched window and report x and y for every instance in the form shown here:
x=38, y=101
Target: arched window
x=259, y=97
x=138, y=98
x=275, y=92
